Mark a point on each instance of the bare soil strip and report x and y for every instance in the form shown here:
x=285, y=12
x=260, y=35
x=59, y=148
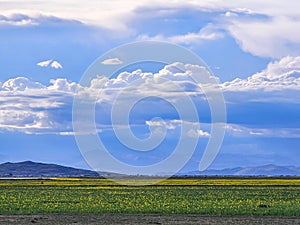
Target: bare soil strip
x=100, y=219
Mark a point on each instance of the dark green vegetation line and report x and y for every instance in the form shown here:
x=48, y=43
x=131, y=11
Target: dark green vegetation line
x=101, y=196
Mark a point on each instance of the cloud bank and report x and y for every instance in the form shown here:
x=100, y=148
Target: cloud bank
x=31, y=107
x=265, y=29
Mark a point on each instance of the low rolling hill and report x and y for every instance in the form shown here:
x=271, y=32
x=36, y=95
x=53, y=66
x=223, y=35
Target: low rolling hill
x=33, y=169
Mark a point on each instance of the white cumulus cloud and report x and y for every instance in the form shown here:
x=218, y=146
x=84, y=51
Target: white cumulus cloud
x=32, y=107
x=198, y=133
x=112, y=61
x=52, y=63
x=20, y=84
x=279, y=75
x=267, y=38
x=44, y=63
x=56, y=65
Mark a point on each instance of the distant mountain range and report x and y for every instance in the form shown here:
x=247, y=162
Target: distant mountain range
x=34, y=169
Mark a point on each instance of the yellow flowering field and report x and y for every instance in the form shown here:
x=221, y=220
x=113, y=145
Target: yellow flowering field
x=234, y=196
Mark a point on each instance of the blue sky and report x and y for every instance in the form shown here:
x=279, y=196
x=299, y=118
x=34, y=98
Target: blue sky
x=253, y=47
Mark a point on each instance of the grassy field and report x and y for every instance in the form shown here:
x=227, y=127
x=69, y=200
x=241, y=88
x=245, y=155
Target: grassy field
x=272, y=197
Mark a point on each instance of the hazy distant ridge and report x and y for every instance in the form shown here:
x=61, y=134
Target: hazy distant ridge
x=33, y=169
x=266, y=170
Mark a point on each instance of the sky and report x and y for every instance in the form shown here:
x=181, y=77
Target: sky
x=252, y=48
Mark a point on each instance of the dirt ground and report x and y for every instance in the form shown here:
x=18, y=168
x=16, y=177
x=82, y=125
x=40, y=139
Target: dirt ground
x=93, y=219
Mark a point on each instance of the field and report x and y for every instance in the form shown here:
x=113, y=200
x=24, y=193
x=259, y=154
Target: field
x=207, y=197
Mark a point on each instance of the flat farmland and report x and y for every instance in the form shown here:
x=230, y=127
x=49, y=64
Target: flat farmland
x=250, y=198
